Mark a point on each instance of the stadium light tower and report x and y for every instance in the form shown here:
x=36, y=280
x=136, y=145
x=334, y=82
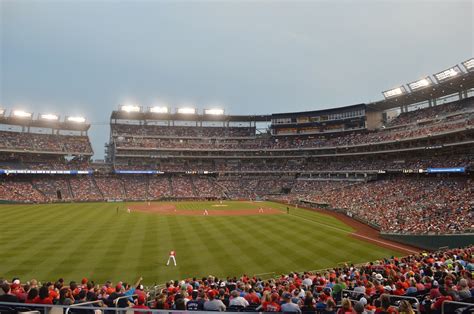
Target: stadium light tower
x=214, y=111
x=49, y=116
x=448, y=74
x=22, y=114
x=76, y=119
x=2, y=112
x=469, y=65
x=159, y=109
x=186, y=110
x=422, y=83
x=394, y=92
x=130, y=108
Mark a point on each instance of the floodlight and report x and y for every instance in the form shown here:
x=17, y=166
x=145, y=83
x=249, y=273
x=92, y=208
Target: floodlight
x=424, y=82
x=469, y=65
x=2, y=112
x=22, y=114
x=214, y=111
x=448, y=74
x=49, y=116
x=187, y=110
x=76, y=119
x=395, y=92
x=130, y=108
x=159, y=109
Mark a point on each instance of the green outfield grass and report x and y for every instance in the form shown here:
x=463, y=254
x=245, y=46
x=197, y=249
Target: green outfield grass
x=91, y=240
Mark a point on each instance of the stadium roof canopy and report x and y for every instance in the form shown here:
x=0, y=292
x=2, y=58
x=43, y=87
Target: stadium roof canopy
x=143, y=116
x=452, y=86
x=57, y=125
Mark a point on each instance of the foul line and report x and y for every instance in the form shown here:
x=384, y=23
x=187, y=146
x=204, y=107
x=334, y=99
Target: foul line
x=358, y=235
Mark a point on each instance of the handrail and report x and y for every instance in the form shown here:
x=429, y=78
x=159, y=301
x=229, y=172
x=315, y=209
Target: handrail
x=115, y=301
x=454, y=302
x=403, y=297
x=83, y=303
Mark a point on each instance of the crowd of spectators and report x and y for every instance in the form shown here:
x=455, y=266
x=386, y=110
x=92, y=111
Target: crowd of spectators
x=383, y=286
x=267, y=142
x=402, y=204
x=45, y=142
x=408, y=204
x=352, y=163
x=136, y=187
x=84, y=188
x=182, y=131
x=424, y=114
x=205, y=187
x=159, y=187
x=111, y=187
x=182, y=186
x=53, y=188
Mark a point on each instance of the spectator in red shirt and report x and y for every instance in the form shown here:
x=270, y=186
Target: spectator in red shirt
x=272, y=305
x=43, y=296
x=141, y=305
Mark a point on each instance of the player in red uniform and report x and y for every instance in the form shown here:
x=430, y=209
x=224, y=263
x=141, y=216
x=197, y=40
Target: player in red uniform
x=172, y=257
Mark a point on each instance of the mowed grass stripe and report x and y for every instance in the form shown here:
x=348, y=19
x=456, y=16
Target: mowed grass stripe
x=284, y=241
x=46, y=248
x=91, y=244
x=107, y=260
x=37, y=233
x=238, y=241
x=148, y=248
x=32, y=218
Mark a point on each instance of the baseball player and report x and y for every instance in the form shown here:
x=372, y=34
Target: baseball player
x=172, y=257
x=129, y=210
x=260, y=210
x=206, y=213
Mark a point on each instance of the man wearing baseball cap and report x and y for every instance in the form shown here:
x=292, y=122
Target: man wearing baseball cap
x=289, y=306
x=213, y=304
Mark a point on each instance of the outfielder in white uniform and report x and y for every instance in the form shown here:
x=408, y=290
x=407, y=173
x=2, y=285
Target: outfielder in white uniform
x=172, y=257
x=206, y=213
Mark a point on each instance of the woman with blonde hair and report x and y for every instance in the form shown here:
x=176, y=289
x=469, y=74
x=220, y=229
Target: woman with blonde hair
x=405, y=308
x=346, y=307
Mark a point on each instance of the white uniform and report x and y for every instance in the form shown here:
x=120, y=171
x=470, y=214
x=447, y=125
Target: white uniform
x=260, y=210
x=206, y=213
x=129, y=210
x=172, y=257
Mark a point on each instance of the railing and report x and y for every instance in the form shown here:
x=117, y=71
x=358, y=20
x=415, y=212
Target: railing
x=471, y=305
x=80, y=305
x=415, y=303
x=123, y=297
x=59, y=309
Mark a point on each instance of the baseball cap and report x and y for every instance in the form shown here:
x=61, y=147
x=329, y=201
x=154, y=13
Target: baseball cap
x=286, y=295
x=388, y=288
x=211, y=293
x=275, y=296
x=222, y=284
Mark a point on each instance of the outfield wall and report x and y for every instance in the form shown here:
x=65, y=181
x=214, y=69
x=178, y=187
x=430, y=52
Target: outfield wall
x=432, y=241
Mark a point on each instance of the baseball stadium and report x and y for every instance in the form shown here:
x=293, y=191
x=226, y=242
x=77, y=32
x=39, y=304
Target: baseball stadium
x=361, y=208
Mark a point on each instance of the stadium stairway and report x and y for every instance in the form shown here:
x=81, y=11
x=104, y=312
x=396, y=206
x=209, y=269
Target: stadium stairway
x=46, y=197
x=193, y=187
x=170, y=186
x=97, y=187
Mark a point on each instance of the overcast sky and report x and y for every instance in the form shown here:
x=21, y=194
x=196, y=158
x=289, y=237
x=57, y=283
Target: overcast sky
x=86, y=57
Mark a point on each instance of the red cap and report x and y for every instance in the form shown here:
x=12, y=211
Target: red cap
x=211, y=293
